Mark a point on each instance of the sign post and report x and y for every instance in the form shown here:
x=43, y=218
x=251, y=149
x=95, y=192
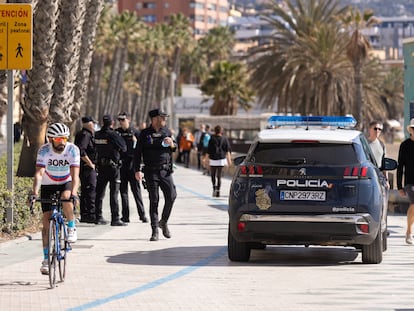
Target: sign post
x=16, y=33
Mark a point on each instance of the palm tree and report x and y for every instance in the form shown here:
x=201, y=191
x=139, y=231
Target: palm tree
x=392, y=89
x=123, y=26
x=228, y=86
x=303, y=67
x=39, y=88
x=50, y=87
x=89, y=29
x=357, y=51
x=69, y=27
x=217, y=45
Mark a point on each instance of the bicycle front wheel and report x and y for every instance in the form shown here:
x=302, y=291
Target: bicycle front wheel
x=53, y=245
x=63, y=251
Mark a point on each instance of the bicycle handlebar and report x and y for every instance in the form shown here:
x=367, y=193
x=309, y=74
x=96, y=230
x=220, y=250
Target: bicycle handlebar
x=53, y=201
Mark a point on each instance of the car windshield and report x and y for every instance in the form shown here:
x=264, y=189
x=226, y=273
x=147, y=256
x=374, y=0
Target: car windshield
x=304, y=153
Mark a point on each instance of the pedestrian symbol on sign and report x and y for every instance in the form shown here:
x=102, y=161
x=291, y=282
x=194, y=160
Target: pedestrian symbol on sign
x=19, y=50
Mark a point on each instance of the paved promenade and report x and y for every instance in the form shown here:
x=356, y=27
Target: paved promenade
x=110, y=268
x=118, y=268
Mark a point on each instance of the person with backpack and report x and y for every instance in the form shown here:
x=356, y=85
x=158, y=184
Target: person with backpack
x=219, y=152
x=204, y=152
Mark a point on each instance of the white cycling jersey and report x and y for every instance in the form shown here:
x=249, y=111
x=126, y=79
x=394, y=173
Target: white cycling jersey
x=57, y=165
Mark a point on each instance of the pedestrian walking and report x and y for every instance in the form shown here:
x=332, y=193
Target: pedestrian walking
x=186, y=144
x=406, y=168
x=109, y=147
x=219, y=152
x=198, y=140
x=85, y=140
x=153, y=161
x=377, y=146
x=204, y=153
x=130, y=135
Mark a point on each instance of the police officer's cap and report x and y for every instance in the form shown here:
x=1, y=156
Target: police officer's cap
x=107, y=119
x=157, y=112
x=88, y=119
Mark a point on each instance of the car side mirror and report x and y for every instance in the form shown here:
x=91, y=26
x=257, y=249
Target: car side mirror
x=238, y=160
x=389, y=164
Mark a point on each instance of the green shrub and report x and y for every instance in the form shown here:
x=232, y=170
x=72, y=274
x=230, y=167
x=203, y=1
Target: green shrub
x=23, y=220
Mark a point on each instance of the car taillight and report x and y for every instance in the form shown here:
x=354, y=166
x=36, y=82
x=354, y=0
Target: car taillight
x=251, y=169
x=241, y=226
x=364, y=228
x=355, y=171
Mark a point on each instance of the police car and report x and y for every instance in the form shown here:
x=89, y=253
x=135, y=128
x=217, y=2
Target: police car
x=309, y=181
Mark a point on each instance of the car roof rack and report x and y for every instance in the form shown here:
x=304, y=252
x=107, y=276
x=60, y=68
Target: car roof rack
x=335, y=121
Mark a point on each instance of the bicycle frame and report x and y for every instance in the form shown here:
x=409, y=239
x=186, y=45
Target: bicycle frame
x=58, y=246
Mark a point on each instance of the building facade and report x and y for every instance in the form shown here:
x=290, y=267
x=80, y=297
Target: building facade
x=203, y=14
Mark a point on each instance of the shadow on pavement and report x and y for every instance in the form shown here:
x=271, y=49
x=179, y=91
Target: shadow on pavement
x=273, y=256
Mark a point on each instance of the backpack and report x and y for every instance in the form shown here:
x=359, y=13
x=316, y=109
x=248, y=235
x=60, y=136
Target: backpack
x=206, y=139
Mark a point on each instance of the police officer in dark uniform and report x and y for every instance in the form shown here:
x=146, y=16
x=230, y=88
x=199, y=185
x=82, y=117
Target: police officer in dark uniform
x=109, y=147
x=85, y=140
x=155, y=147
x=130, y=135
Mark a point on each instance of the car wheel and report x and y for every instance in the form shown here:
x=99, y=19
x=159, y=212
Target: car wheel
x=237, y=251
x=372, y=253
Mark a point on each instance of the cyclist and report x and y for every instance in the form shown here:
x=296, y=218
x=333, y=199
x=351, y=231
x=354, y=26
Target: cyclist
x=57, y=169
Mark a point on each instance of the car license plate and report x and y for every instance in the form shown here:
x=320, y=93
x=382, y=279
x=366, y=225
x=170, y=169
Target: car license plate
x=291, y=195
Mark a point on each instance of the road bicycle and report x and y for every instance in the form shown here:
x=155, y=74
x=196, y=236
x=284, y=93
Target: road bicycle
x=58, y=246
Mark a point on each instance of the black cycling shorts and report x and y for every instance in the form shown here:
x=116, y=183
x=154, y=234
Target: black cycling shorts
x=46, y=192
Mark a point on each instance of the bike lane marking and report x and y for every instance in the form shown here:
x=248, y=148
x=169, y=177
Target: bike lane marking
x=179, y=274
x=199, y=264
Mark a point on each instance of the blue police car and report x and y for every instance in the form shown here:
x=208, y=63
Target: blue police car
x=309, y=181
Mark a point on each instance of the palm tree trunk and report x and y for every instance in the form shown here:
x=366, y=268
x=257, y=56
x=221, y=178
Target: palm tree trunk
x=66, y=64
x=359, y=100
x=93, y=11
x=115, y=69
x=39, y=89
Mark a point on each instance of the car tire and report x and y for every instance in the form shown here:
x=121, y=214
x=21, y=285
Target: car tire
x=372, y=253
x=237, y=251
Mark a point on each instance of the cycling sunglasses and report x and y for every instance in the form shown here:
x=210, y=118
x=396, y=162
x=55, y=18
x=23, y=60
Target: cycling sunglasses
x=60, y=139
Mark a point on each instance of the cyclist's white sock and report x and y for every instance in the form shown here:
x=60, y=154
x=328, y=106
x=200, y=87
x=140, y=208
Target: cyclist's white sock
x=45, y=253
x=71, y=224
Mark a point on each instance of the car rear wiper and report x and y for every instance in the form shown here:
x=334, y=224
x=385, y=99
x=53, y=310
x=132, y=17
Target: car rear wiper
x=292, y=161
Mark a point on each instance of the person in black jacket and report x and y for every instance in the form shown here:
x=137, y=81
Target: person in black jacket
x=153, y=159
x=130, y=135
x=219, y=152
x=85, y=140
x=406, y=169
x=109, y=147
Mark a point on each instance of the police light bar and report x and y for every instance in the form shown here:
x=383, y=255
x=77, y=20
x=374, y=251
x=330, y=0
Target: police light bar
x=345, y=121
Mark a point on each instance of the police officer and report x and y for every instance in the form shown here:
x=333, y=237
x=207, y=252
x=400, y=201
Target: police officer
x=130, y=135
x=109, y=147
x=85, y=140
x=155, y=147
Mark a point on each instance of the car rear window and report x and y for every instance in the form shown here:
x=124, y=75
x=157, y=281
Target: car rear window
x=304, y=153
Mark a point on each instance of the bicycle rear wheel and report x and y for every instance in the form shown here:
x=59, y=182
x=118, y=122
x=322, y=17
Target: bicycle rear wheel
x=52, y=253
x=63, y=248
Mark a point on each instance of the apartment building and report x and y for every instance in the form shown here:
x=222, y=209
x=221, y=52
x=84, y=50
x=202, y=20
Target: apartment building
x=203, y=14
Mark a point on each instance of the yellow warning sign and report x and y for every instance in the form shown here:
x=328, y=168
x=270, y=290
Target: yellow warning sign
x=16, y=33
